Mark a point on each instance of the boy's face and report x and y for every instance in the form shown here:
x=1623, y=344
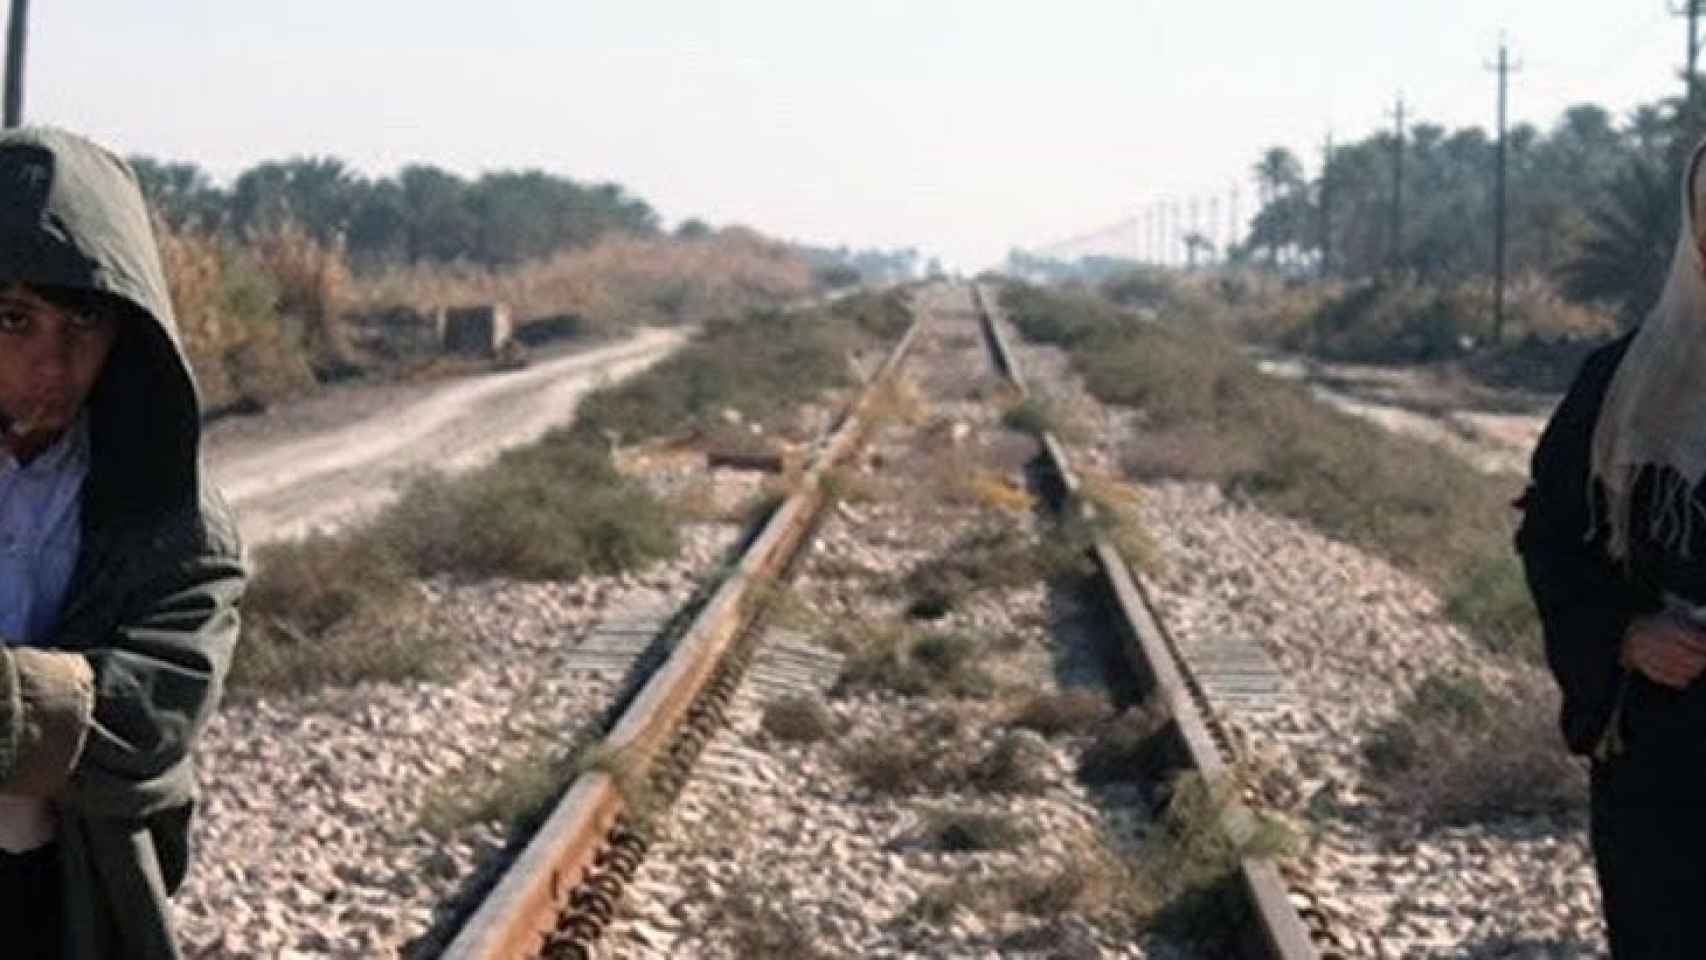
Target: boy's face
x=49, y=361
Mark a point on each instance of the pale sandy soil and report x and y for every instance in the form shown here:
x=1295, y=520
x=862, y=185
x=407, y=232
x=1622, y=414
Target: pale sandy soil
x=311, y=469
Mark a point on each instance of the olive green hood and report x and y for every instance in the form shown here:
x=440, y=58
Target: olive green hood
x=73, y=216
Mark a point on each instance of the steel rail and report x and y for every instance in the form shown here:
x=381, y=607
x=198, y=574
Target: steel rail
x=1279, y=931
x=521, y=912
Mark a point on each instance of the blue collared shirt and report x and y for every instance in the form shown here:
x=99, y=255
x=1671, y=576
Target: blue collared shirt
x=41, y=512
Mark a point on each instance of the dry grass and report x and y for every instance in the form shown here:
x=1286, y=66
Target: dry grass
x=1074, y=711
x=1457, y=752
x=1180, y=880
x=1130, y=747
x=969, y=831
x=615, y=284
x=898, y=401
x=1017, y=765
x=991, y=490
x=994, y=557
x=927, y=757
x=226, y=303
x=755, y=918
x=897, y=765
x=1116, y=517
x=313, y=282
x=932, y=664
x=332, y=611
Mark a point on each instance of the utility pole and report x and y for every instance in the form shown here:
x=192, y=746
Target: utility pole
x=1178, y=232
x=1170, y=234
x=1327, y=207
x=1158, y=230
x=1691, y=10
x=1396, y=250
x=15, y=33
x=1235, y=226
x=1504, y=69
x=1214, y=227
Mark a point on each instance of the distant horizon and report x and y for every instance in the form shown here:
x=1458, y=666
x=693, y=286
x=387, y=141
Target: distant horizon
x=959, y=129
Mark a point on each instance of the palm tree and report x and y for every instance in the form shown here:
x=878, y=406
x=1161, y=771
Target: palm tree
x=1627, y=254
x=1278, y=175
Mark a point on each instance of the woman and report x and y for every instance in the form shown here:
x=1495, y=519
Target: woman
x=1613, y=539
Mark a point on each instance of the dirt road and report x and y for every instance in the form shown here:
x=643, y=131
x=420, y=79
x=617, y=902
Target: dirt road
x=1494, y=430
x=319, y=476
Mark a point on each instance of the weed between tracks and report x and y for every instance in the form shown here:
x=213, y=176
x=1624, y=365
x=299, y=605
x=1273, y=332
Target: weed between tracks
x=1179, y=880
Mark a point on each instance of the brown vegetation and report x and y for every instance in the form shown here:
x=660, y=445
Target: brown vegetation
x=618, y=283
x=1458, y=752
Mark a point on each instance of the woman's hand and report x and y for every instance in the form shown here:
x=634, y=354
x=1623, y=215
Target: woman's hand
x=1665, y=650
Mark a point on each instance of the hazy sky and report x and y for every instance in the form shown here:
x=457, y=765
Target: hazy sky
x=961, y=127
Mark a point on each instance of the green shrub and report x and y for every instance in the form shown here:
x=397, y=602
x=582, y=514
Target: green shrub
x=798, y=719
x=1489, y=597
x=322, y=611
x=1392, y=319
x=1032, y=415
x=555, y=511
x=885, y=315
x=763, y=366
x=1066, y=711
x=334, y=609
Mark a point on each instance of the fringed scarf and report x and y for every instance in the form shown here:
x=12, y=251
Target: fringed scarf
x=1653, y=420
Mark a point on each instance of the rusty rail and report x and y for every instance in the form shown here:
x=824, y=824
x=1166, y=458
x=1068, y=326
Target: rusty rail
x=585, y=832
x=1279, y=931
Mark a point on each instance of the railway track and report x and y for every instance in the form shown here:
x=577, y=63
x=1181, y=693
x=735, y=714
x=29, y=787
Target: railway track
x=563, y=891
x=1285, y=922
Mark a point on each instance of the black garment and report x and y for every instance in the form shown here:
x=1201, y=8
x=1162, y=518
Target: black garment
x=1650, y=853
x=29, y=888
x=1649, y=836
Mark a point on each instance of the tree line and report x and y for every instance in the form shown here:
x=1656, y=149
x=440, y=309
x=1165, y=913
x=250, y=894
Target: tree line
x=1593, y=202
x=422, y=214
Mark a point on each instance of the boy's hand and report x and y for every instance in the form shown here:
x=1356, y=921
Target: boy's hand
x=1665, y=650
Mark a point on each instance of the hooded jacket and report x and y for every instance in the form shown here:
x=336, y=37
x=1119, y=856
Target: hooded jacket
x=101, y=720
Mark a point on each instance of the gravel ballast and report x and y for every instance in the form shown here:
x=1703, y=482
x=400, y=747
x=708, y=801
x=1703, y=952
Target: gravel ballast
x=1354, y=636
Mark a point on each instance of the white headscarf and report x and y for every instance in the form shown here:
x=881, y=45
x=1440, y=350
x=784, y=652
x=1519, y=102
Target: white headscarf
x=1654, y=414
